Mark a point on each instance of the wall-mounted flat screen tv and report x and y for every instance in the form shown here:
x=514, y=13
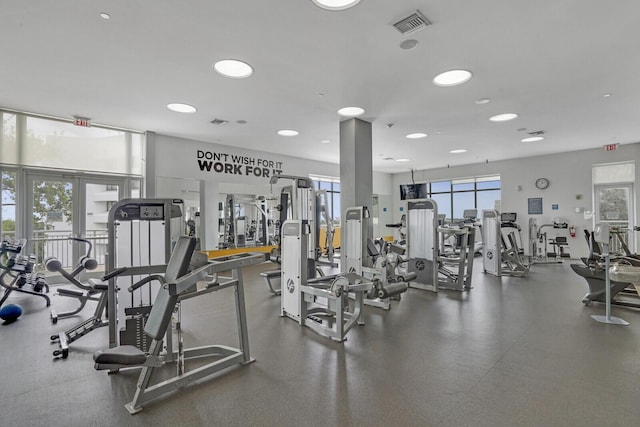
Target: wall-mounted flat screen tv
x=413, y=191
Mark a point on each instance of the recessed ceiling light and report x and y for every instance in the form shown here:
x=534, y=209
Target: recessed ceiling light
x=408, y=44
x=481, y=101
x=452, y=78
x=417, y=135
x=351, y=111
x=606, y=95
x=335, y=4
x=504, y=117
x=105, y=15
x=181, y=108
x=461, y=150
x=233, y=68
x=533, y=139
x=402, y=160
x=288, y=132
x=325, y=141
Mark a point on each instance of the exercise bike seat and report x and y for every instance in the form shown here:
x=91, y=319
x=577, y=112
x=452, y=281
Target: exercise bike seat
x=124, y=355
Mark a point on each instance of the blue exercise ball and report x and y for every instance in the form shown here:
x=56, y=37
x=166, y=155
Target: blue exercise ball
x=10, y=312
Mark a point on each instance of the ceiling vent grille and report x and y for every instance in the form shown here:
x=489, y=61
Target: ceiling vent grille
x=412, y=23
x=219, y=122
x=537, y=133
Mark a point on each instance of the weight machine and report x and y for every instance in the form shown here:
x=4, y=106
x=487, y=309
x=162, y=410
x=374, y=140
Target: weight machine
x=538, y=243
x=502, y=255
x=141, y=235
x=17, y=272
x=422, y=244
x=322, y=304
x=178, y=286
x=455, y=268
x=363, y=257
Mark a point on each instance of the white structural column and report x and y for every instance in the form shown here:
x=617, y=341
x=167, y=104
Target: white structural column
x=209, y=214
x=356, y=172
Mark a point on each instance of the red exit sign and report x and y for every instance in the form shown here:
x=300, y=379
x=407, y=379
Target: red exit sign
x=611, y=147
x=82, y=121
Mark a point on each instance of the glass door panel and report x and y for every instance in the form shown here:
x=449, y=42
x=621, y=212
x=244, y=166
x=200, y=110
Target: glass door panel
x=8, y=213
x=52, y=216
x=99, y=196
x=614, y=205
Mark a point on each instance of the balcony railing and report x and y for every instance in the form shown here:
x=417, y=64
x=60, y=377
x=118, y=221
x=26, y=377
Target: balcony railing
x=51, y=243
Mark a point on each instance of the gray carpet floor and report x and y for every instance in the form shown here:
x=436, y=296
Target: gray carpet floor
x=510, y=352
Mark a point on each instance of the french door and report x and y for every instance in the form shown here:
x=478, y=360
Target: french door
x=60, y=206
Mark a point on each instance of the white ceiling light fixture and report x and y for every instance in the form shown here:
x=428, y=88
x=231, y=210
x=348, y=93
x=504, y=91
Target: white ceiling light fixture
x=351, y=111
x=105, y=15
x=533, y=139
x=417, y=135
x=504, y=117
x=335, y=4
x=452, y=78
x=288, y=132
x=182, y=108
x=458, y=151
x=233, y=68
x=325, y=141
x=482, y=101
x=408, y=44
x=402, y=160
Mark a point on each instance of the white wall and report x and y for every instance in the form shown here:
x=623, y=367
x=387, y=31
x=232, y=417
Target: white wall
x=569, y=174
x=182, y=158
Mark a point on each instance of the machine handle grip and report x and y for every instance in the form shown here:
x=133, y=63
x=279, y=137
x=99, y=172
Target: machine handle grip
x=114, y=273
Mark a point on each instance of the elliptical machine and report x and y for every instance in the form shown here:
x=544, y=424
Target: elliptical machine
x=87, y=293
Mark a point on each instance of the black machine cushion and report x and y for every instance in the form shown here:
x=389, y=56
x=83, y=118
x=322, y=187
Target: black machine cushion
x=162, y=309
x=127, y=355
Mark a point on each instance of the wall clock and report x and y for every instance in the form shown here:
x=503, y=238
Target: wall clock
x=542, y=183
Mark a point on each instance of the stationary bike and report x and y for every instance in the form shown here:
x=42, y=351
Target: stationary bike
x=87, y=293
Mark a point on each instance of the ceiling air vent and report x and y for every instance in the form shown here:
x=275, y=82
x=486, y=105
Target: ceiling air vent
x=537, y=133
x=412, y=23
x=219, y=122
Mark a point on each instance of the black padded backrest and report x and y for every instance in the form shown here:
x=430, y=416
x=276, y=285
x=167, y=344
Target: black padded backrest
x=178, y=265
x=372, y=250
x=561, y=239
x=593, y=245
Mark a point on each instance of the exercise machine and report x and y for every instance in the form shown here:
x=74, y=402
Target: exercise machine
x=321, y=304
x=375, y=262
x=422, y=244
x=455, y=267
x=18, y=273
x=593, y=271
x=299, y=201
x=502, y=255
x=539, y=242
x=178, y=286
x=141, y=235
x=87, y=292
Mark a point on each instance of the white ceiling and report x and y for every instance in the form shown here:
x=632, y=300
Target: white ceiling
x=551, y=61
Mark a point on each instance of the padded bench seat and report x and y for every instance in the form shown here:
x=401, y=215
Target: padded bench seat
x=269, y=276
x=126, y=355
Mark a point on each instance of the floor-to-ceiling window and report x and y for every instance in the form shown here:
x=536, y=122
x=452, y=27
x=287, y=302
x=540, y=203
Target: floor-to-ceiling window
x=59, y=181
